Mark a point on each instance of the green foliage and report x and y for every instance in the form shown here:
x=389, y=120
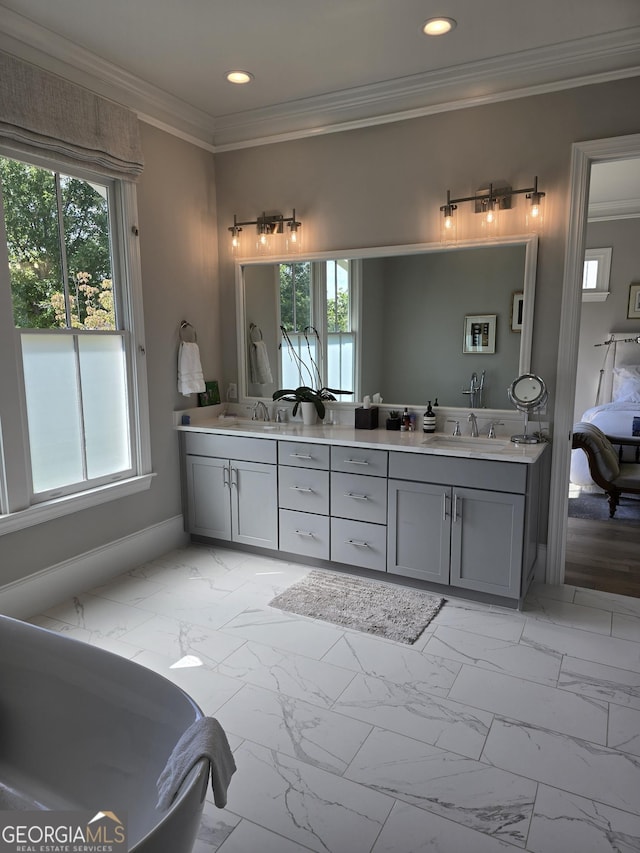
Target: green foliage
x=295, y=287
x=338, y=313
x=304, y=394
x=32, y=221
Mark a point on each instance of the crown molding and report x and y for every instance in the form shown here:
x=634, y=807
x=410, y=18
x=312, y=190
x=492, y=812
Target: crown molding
x=603, y=211
x=580, y=62
x=54, y=53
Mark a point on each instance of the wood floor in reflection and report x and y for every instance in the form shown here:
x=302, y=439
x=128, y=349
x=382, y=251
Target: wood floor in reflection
x=604, y=555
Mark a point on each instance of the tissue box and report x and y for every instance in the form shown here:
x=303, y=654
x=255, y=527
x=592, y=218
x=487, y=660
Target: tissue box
x=367, y=418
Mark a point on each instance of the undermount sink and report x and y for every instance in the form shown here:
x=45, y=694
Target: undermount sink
x=466, y=442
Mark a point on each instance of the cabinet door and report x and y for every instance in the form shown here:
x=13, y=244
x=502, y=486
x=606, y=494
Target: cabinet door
x=254, y=504
x=419, y=530
x=209, y=507
x=487, y=530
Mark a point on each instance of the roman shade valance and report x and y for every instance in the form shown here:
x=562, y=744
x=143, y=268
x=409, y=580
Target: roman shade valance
x=41, y=112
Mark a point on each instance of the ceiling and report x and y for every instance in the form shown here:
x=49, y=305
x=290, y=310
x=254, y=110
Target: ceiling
x=318, y=65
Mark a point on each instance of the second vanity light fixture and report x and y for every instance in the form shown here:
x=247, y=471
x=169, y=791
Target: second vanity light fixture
x=269, y=227
x=489, y=201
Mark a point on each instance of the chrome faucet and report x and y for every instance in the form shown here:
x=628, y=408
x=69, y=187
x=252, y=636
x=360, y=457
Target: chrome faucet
x=456, y=429
x=474, y=425
x=492, y=428
x=260, y=412
x=475, y=389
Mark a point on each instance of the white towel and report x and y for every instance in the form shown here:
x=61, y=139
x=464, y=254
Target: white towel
x=203, y=739
x=259, y=362
x=190, y=377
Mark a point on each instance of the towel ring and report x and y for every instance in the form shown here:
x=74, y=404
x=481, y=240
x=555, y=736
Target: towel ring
x=187, y=333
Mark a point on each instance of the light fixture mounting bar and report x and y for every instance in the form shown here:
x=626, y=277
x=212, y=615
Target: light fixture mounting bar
x=500, y=194
x=267, y=223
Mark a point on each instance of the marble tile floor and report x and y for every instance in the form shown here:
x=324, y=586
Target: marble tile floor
x=496, y=731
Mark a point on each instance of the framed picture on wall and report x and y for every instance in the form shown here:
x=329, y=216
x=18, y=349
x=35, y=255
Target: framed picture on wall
x=633, y=312
x=517, y=305
x=479, y=333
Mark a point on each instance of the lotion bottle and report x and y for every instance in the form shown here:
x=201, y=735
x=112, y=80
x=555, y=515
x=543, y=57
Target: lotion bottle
x=429, y=419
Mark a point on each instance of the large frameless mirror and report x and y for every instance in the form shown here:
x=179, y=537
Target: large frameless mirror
x=394, y=321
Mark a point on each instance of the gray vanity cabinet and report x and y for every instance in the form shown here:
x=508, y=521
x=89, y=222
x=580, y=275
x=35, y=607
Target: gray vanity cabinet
x=460, y=535
x=303, y=497
x=419, y=541
x=486, y=541
x=232, y=499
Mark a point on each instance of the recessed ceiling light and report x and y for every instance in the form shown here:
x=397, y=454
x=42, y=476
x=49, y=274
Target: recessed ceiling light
x=239, y=77
x=438, y=26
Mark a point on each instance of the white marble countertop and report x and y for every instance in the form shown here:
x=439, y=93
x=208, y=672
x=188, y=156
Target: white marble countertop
x=499, y=449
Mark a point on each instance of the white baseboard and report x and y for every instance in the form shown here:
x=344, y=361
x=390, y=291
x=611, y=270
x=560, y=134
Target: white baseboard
x=35, y=593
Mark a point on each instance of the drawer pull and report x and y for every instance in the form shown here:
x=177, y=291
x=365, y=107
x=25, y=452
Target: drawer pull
x=445, y=498
x=301, y=489
x=305, y=533
x=356, y=462
x=300, y=456
x=358, y=544
x=356, y=497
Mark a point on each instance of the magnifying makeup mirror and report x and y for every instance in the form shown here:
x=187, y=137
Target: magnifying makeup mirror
x=527, y=393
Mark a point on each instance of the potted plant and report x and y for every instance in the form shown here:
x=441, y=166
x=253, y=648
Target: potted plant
x=305, y=395
x=394, y=421
x=310, y=400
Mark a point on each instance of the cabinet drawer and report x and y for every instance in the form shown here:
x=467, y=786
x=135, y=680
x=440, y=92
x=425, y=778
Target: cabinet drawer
x=230, y=447
x=357, y=497
x=304, y=533
x=359, y=544
x=303, y=489
x=304, y=455
x=355, y=461
x=454, y=471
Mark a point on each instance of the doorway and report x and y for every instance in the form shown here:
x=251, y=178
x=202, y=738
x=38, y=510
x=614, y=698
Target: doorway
x=601, y=552
x=584, y=155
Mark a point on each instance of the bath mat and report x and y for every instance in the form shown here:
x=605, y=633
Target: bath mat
x=386, y=610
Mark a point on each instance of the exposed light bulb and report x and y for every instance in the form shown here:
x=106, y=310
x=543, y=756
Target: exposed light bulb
x=449, y=228
x=535, y=212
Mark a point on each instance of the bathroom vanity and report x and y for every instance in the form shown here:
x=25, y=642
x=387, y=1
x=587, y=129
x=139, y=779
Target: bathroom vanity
x=459, y=512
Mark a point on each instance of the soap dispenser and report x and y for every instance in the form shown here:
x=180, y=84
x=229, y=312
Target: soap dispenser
x=429, y=419
x=406, y=420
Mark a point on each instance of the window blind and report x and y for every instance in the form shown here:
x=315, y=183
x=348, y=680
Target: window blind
x=41, y=112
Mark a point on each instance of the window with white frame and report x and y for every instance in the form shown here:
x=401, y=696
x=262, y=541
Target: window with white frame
x=318, y=307
x=74, y=292
x=596, y=273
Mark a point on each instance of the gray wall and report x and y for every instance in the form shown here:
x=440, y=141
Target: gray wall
x=599, y=319
x=176, y=202
x=383, y=185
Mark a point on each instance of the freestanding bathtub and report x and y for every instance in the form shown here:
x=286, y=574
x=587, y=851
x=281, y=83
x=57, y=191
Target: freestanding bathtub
x=82, y=729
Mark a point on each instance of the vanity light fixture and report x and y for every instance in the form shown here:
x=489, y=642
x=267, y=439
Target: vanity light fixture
x=269, y=227
x=489, y=201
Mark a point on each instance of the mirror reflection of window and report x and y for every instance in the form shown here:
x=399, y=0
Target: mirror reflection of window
x=316, y=297
x=340, y=333
x=296, y=315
